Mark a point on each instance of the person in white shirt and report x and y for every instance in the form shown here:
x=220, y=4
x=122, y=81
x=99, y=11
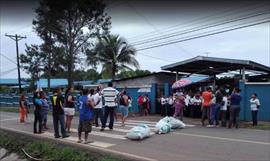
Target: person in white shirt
x=223, y=110
x=98, y=112
x=163, y=105
x=110, y=96
x=254, y=106
x=188, y=103
x=196, y=102
x=171, y=107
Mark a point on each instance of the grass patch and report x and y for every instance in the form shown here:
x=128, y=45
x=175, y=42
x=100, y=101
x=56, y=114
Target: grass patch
x=47, y=150
x=263, y=126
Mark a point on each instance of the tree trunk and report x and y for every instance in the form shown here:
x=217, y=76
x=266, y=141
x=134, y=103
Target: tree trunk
x=70, y=55
x=49, y=63
x=49, y=72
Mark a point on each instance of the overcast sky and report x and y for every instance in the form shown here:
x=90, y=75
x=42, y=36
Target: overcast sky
x=142, y=20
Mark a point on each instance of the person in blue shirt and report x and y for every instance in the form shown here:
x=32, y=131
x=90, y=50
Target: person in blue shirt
x=44, y=110
x=235, y=108
x=86, y=116
x=38, y=113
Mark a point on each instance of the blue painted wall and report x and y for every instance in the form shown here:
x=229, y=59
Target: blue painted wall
x=133, y=93
x=263, y=92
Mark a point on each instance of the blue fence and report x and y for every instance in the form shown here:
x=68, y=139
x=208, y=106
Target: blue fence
x=134, y=94
x=263, y=92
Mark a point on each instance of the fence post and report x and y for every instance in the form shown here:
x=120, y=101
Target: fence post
x=153, y=96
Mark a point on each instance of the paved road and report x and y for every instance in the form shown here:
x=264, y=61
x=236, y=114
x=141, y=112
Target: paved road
x=192, y=143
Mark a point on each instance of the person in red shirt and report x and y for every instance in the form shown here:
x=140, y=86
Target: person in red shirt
x=140, y=104
x=207, y=96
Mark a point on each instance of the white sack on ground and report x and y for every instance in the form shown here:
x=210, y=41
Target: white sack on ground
x=139, y=132
x=175, y=123
x=162, y=127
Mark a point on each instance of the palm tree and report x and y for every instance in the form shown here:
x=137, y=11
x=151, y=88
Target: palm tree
x=114, y=54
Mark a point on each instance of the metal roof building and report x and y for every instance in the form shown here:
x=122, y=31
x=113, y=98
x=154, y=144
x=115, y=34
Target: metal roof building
x=213, y=66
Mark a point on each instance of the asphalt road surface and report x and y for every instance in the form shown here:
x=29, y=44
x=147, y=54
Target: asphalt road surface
x=192, y=143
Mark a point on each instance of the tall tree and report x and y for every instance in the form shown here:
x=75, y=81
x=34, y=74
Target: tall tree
x=35, y=61
x=32, y=62
x=74, y=25
x=114, y=54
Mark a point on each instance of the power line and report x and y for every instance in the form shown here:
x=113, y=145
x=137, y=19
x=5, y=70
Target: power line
x=157, y=58
x=17, y=38
x=200, y=28
x=203, y=19
x=8, y=71
x=217, y=30
x=12, y=61
x=196, y=37
x=141, y=15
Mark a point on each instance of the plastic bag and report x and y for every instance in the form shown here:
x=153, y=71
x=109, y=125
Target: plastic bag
x=139, y=132
x=174, y=123
x=162, y=127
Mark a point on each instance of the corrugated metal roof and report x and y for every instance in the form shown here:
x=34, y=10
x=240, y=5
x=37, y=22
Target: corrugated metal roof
x=10, y=81
x=43, y=83
x=212, y=65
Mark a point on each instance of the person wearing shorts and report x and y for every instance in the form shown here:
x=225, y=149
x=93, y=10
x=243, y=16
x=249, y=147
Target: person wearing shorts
x=124, y=107
x=86, y=116
x=69, y=108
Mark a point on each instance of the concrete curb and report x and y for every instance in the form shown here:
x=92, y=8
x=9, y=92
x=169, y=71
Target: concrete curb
x=97, y=150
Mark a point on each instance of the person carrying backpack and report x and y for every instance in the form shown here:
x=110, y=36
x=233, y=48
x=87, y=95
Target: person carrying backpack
x=124, y=107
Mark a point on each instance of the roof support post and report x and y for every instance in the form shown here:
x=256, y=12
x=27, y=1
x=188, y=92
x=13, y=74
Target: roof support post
x=243, y=74
x=176, y=76
x=214, y=83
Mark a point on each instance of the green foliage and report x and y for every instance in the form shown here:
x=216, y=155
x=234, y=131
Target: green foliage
x=114, y=54
x=132, y=73
x=4, y=89
x=72, y=25
x=260, y=126
x=79, y=75
x=47, y=150
x=36, y=60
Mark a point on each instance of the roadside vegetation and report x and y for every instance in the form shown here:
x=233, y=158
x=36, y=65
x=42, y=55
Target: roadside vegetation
x=260, y=126
x=46, y=150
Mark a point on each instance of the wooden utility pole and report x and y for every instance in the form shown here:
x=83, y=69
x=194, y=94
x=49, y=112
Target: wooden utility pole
x=17, y=38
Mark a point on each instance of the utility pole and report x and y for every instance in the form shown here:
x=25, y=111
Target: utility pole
x=17, y=38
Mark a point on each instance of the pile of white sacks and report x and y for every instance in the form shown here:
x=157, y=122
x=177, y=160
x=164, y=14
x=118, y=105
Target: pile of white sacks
x=162, y=127
x=167, y=123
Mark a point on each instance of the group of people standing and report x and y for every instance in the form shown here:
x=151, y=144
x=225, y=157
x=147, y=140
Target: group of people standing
x=143, y=104
x=94, y=106
x=175, y=105
x=214, y=106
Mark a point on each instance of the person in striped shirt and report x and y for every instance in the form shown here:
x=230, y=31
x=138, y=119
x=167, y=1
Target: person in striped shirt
x=110, y=97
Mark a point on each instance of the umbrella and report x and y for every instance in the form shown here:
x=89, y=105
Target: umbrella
x=181, y=83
